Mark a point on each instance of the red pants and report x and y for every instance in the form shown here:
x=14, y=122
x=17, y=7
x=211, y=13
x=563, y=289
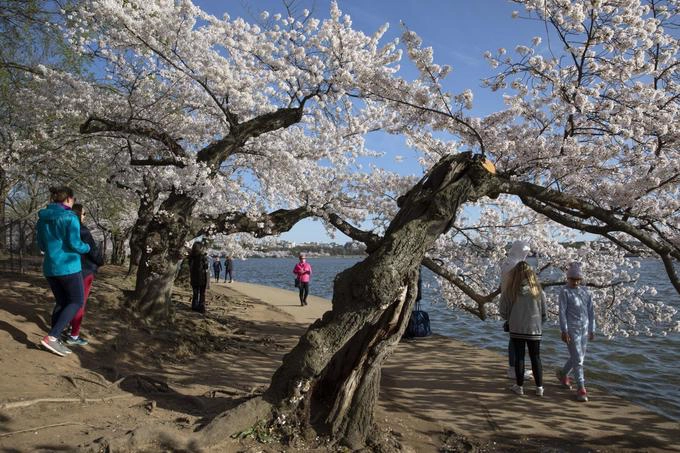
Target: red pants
x=78, y=318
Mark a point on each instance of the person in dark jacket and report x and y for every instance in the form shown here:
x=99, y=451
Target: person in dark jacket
x=228, y=269
x=90, y=263
x=58, y=234
x=198, y=272
x=217, y=269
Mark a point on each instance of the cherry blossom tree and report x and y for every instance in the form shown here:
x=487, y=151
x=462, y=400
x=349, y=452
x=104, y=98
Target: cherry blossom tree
x=229, y=114
x=588, y=142
x=215, y=104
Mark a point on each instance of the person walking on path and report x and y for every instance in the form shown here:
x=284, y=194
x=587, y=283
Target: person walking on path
x=523, y=305
x=303, y=272
x=58, y=234
x=519, y=250
x=90, y=263
x=198, y=275
x=577, y=326
x=217, y=269
x=229, y=269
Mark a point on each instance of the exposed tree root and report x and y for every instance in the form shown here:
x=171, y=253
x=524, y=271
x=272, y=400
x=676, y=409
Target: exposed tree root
x=221, y=429
x=38, y=428
x=147, y=439
x=27, y=403
x=234, y=421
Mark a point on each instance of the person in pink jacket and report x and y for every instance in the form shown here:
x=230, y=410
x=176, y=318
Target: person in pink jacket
x=303, y=272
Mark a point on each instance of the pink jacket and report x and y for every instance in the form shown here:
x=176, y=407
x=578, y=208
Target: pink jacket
x=303, y=271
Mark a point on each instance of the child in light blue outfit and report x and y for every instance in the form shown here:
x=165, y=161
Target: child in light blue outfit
x=577, y=324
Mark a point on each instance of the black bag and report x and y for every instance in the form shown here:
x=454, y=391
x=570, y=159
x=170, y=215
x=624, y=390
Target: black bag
x=418, y=323
x=506, y=326
x=297, y=282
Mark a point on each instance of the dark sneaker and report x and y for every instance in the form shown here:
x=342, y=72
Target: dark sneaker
x=55, y=346
x=80, y=341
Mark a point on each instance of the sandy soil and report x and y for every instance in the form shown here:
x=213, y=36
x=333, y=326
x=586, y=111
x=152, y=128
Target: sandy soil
x=437, y=394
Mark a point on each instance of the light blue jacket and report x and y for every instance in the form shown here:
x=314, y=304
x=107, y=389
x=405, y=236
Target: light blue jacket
x=59, y=238
x=576, y=310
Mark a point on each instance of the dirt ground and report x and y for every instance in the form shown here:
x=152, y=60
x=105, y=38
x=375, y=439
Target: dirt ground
x=130, y=374
x=133, y=375
x=178, y=377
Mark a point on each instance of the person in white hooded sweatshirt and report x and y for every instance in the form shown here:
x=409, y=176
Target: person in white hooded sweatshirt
x=519, y=250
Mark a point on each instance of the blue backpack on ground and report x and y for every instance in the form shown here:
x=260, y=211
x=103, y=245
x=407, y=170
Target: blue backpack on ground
x=419, y=323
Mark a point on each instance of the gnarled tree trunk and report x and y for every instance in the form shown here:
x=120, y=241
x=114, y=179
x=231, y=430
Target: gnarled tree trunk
x=118, y=239
x=330, y=380
x=4, y=191
x=166, y=234
x=144, y=216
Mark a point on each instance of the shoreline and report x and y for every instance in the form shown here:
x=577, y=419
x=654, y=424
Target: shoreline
x=440, y=383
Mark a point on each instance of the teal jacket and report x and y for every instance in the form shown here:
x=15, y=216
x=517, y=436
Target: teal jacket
x=59, y=238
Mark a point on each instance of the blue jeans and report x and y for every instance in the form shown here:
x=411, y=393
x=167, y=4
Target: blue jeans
x=577, y=354
x=69, y=295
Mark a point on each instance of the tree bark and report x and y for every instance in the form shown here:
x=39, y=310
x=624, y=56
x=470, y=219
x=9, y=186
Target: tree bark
x=3, y=214
x=118, y=240
x=166, y=234
x=330, y=380
x=147, y=202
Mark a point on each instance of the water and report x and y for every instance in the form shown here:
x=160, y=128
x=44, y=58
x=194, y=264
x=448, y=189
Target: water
x=645, y=370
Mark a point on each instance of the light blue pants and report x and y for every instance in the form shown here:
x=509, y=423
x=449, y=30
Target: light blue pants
x=577, y=354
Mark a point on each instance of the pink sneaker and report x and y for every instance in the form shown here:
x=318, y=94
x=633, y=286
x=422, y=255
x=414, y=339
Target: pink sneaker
x=582, y=395
x=565, y=381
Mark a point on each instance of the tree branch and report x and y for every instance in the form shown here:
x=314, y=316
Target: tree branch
x=97, y=124
x=276, y=222
x=216, y=152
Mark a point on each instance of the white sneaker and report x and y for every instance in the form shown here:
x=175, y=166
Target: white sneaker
x=539, y=391
x=517, y=389
x=511, y=373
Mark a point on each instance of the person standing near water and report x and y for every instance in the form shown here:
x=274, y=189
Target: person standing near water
x=229, y=269
x=519, y=250
x=217, y=268
x=303, y=272
x=523, y=305
x=577, y=326
x=58, y=234
x=198, y=272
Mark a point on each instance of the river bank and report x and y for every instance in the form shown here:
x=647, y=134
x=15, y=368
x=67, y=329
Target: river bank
x=443, y=384
x=643, y=369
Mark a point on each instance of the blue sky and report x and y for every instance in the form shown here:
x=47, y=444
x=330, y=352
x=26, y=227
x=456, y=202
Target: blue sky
x=459, y=31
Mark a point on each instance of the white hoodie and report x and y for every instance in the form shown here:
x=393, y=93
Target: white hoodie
x=518, y=252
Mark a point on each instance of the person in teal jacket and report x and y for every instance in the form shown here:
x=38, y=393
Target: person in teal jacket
x=58, y=232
